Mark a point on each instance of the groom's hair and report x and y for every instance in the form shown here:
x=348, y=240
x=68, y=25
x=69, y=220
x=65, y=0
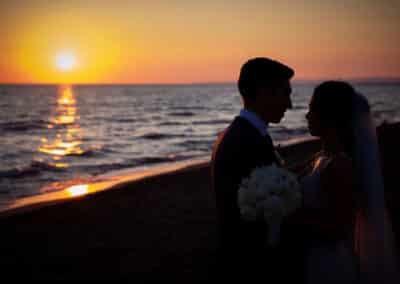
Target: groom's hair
x=261, y=72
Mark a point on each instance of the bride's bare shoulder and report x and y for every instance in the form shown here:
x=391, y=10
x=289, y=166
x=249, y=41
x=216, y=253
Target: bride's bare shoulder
x=341, y=161
x=339, y=169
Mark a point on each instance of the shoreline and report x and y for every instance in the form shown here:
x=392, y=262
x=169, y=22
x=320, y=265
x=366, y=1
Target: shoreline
x=75, y=189
x=90, y=186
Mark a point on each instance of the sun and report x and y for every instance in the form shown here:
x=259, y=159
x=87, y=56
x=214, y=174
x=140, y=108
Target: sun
x=65, y=61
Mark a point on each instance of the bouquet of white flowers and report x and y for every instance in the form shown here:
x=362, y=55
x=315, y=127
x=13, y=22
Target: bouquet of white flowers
x=272, y=193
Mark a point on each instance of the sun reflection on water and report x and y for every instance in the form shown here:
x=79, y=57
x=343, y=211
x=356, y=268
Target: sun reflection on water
x=66, y=138
x=78, y=190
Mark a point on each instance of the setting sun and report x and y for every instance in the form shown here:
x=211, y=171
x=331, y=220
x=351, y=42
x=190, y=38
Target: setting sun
x=65, y=61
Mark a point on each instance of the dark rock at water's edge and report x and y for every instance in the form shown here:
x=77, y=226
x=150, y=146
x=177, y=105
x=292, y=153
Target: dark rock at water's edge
x=389, y=144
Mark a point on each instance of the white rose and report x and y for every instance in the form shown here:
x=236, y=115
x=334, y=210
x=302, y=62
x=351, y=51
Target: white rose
x=273, y=206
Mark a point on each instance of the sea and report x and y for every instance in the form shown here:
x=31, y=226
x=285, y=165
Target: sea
x=54, y=135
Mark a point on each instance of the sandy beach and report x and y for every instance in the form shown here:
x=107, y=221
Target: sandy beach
x=158, y=227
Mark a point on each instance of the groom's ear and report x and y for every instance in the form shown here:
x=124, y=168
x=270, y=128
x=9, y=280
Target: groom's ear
x=265, y=90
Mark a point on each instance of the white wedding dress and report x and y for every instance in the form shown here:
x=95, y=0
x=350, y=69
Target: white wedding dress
x=326, y=261
x=368, y=254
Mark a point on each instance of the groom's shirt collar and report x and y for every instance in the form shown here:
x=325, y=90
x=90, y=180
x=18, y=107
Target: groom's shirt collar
x=255, y=120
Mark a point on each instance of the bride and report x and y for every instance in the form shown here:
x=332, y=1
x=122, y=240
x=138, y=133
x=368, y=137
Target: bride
x=349, y=238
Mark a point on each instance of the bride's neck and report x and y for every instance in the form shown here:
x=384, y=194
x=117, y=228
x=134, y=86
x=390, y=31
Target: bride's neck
x=331, y=145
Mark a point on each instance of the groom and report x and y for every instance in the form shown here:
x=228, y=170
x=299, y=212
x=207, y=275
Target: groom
x=264, y=85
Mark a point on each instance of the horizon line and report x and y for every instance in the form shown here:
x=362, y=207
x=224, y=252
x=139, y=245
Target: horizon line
x=296, y=80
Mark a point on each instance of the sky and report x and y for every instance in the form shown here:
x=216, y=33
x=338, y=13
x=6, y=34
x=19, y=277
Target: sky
x=178, y=41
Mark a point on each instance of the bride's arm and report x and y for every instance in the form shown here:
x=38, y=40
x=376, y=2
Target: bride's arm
x=304, y=167
x=337, y=194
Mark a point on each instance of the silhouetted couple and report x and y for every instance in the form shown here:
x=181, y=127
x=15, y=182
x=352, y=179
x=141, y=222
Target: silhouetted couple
x=341, y=233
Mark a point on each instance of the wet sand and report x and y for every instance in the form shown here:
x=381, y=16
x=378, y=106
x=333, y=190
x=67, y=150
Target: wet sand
x=159, y=227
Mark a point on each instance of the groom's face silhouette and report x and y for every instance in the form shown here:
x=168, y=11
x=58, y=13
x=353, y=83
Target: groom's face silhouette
x=273, y=101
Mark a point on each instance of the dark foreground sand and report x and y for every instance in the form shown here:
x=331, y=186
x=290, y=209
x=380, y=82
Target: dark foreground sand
x=160, y=228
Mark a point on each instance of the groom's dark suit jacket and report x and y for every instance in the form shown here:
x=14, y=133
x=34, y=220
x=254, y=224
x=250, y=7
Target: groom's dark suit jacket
x=237, y=151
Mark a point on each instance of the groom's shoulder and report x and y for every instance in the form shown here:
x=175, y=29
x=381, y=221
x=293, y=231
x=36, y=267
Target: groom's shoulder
x=240, y=131
x=240, y=127
x=238, y=136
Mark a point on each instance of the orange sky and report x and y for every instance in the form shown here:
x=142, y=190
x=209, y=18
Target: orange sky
x=177, y=41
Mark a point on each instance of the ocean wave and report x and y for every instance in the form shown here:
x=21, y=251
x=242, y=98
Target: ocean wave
x=117, y=120
x=86, y=152
x=160, y=159
x=96, y=169
x=183, y=113
x=72, y=152
x=36, y=167
x=22, y=125
x=212, y=122
x=11, y=156
x=171, y=123
x=19, y=172
x=199, y=145
x=189, y=108
x=151, y=160
x=114, y=148
x=125, y=120
x=289, y=131
x=160, y=136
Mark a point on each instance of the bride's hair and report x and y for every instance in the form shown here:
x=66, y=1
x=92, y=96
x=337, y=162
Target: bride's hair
x=333, y=101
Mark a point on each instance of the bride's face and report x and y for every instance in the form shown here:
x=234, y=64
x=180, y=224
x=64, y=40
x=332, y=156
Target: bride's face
x=313, y=120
